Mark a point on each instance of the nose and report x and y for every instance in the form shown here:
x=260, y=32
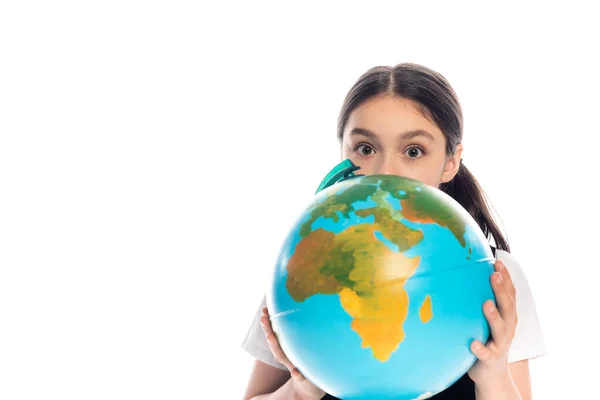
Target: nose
x=387, y=166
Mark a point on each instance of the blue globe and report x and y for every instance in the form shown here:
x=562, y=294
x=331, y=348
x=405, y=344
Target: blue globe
x=378, y=289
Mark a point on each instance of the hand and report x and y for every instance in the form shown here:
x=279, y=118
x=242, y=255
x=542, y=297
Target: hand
x=303, y=387
x=492, y=359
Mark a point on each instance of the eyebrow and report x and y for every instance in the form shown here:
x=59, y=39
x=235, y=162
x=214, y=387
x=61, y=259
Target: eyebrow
x=403, y=136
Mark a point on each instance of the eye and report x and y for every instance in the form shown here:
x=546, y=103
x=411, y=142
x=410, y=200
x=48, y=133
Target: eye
x=364, y=149
x=414, y=152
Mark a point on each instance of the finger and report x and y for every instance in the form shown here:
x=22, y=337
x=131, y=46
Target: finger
x=265, y=320
x=497, y=325
x=273, y=342
x=504, y=301
x=278, y=351
x=508, y=282
x=296, y=374
x=480, y=351
x=509, y=313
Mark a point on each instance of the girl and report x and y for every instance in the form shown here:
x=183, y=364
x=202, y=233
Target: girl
x=406, y=120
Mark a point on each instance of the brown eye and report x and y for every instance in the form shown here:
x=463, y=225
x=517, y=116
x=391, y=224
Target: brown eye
x=364, y=150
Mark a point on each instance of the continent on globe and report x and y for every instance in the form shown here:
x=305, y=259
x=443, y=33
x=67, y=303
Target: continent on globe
x=425, y=208
x=325, y=262
x=365, y=292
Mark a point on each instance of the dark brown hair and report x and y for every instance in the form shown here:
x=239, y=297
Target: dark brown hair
x=438, y=102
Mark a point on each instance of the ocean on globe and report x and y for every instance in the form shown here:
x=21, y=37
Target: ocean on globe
x=378, y=290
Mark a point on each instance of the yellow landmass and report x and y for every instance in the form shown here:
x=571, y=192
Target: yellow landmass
x=377, y=301
x=426, y=310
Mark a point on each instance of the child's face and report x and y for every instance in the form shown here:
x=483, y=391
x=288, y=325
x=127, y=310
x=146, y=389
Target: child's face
x=389, y=135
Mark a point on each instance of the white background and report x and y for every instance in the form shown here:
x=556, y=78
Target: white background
x=154, y=154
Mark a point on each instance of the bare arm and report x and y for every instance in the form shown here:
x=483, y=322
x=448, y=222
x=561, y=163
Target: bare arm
x=267, y=382
x=520, y=374
x=515, y=385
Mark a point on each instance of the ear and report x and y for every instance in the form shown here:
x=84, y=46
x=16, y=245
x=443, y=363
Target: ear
x=452, y=165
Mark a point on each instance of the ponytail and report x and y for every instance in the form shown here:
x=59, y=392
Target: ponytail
x=465, y=189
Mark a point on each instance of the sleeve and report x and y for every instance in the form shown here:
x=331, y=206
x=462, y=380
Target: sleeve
x=528, y=342
x=255, y=343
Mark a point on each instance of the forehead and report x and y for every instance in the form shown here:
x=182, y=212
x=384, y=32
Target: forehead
x=390, y=116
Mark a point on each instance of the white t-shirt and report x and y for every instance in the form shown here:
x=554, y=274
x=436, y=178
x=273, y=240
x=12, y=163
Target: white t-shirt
x=528, y=342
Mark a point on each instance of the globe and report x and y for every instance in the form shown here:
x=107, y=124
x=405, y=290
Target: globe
x=378, y=289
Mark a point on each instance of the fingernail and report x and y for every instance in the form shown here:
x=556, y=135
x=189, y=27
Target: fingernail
x=498, y=277
x=477, y=345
